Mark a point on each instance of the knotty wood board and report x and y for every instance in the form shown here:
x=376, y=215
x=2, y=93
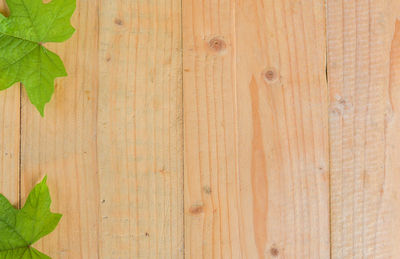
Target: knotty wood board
x=217, y=129
x=256, y=149
x=282, y=128
x=211, y=182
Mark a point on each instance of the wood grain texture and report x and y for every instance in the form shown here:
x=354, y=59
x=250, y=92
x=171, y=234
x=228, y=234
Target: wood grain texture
x=139, y=140
x=256, y=142
x=9, y=137
x=363, y=59
x=111, y=140
x=211, y=201
x=390, y=219
x=282, y=129
x=63, y=144
x=253, y=173
x=9, y=143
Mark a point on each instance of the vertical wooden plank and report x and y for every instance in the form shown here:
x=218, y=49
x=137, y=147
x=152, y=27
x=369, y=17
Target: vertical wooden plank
x=9, y=137
x=111, y=141
x=140, y=161
x=363, y=59
x=9, y=143
x=63, y=144
x=282, y=128
x=255, y=104
x=211, y=194
x=390, y=212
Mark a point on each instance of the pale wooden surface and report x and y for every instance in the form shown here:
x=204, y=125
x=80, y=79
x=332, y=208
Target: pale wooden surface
x=139, y=129
x=211, y=182
x=9, y=143
x=282, y=129
x=363, y=64
x=9, y=138
x=111, y=140
x=63, y=144
x=256, y=153
x=209, y=129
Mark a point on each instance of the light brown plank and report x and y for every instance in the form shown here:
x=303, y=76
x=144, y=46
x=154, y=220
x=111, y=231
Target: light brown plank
x=9, y=137
x=391, y=189
x=140, y=156
x=211, y=194
x=9, y=143
x=111, y=141
x=63, y=144
x=255, y=129
x=282, y=129
x=363, y=63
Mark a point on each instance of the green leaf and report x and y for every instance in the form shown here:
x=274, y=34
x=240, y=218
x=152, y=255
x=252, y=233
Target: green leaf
x=19, y=229
x=23, y=58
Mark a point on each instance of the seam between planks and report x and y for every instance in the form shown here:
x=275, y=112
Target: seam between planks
x=183, y=138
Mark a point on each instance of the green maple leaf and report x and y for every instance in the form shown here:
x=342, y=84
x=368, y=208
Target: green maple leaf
x=19, y=229
x=23, y=58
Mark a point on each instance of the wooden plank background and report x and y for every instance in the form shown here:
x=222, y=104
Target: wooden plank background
x=217, y=129
x=363, y=55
